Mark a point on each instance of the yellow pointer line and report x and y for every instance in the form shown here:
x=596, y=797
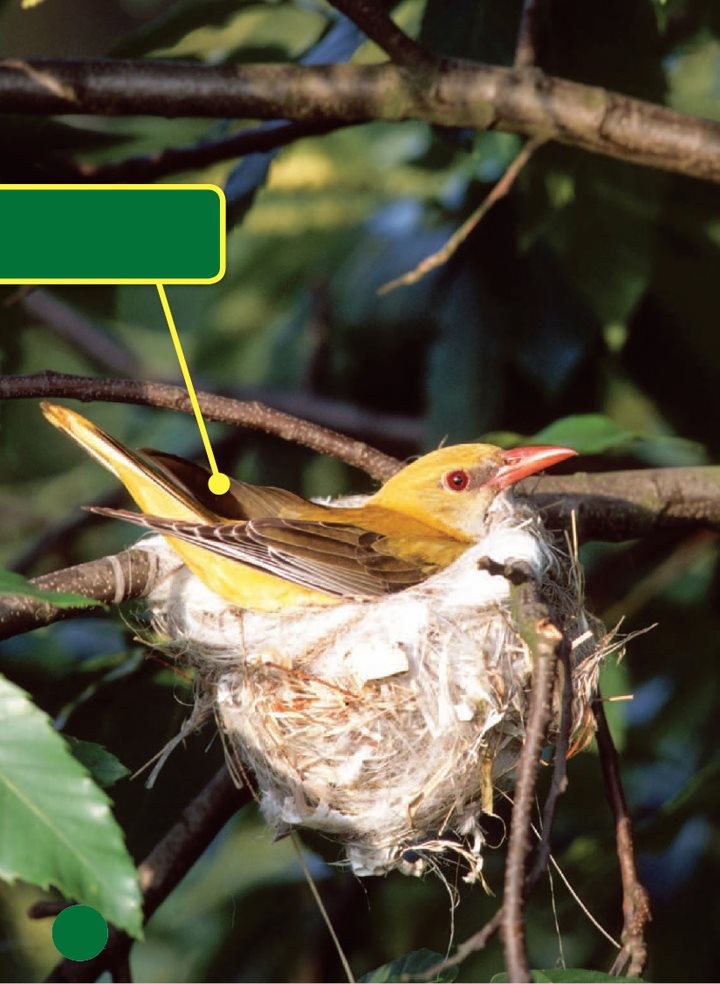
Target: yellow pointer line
x=218, y=483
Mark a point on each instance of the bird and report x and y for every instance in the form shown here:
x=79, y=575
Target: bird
x=267, y=549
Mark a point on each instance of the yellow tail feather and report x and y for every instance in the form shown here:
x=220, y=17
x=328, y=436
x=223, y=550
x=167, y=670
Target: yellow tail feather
x=156, y=493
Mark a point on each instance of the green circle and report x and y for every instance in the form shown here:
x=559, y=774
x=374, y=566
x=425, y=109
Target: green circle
x=79, y=932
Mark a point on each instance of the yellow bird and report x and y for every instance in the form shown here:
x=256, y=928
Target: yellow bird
x=267, y=549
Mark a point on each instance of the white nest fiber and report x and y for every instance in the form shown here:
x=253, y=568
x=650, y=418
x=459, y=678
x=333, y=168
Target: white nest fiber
x=382, y=723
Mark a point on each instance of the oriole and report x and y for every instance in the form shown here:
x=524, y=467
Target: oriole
x=268, y=549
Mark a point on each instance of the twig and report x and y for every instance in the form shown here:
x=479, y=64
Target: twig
x=380, y=28
x=150, y=167
x=636, y=904
x=166, y=865
x=47, y=908
x=499, y=191
x=558, y=783
x=222, y=408
x=478, y=941
x=526, y=48
x=453, y=93
x=544, y=640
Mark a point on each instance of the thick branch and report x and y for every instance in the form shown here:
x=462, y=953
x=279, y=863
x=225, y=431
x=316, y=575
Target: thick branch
x=625, y=505
x=448, y=94
x=222, y=408
x=109, y=580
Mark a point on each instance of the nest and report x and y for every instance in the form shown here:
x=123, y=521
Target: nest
x=385, y=724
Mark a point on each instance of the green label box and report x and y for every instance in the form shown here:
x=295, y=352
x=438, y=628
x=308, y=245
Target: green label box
x=110, y=234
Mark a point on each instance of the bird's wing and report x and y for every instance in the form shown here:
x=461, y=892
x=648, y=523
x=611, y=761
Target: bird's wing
x=241, y=501
x=338, y=559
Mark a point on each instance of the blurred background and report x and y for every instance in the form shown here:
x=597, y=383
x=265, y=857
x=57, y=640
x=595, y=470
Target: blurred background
x=586, y=301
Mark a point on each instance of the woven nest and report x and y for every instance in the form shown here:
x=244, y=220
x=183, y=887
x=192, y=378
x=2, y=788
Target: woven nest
x=385, y=724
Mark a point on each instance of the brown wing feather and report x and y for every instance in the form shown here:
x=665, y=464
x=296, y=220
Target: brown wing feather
x=241, y=501
x=341, y=560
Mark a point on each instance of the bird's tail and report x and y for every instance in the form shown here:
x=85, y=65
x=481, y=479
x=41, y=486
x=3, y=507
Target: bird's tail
x=154, y=490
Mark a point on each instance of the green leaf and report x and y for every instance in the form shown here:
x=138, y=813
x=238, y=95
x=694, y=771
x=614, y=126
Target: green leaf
x=416, y=962
x=56, y=827
x=588, y=433
x=15, y=584
x=102, y=765
x=176, y=22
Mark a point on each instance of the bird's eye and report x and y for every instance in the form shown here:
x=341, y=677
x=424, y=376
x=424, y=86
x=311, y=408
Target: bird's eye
x=457, y=481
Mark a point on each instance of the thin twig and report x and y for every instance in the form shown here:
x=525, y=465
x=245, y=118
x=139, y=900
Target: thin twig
x=478, y=941
x=499, y=191
x=544, y=640
x=380, y=28
x=636, y=903
x=558, y=783
x=164, y=867
x=526, y=49
x=246, y=414
x=150, y=167
x=297, y=846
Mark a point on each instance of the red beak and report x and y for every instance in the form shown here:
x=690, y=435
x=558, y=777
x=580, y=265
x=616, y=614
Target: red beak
x=522, y=462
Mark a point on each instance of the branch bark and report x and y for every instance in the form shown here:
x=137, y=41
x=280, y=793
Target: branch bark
x=221, y=408
x=109, y=580
x=448, y=93
x=626, y=505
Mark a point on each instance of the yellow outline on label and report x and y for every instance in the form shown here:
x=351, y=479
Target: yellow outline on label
x=127, y=187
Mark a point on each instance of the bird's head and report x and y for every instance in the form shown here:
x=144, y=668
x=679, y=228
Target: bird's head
x=452, y=488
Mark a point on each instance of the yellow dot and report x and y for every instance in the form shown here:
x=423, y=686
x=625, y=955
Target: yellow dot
x=218, y=483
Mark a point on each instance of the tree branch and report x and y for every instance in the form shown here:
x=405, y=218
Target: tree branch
x=380, y=28
x=442, y=255
x=636, y=904
x=526, y=47
x=109, y=580
x=559, y=776
x=450, y=93
x=221, y=408
x=544, y=641
x=611, y=506
x=626, y=505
